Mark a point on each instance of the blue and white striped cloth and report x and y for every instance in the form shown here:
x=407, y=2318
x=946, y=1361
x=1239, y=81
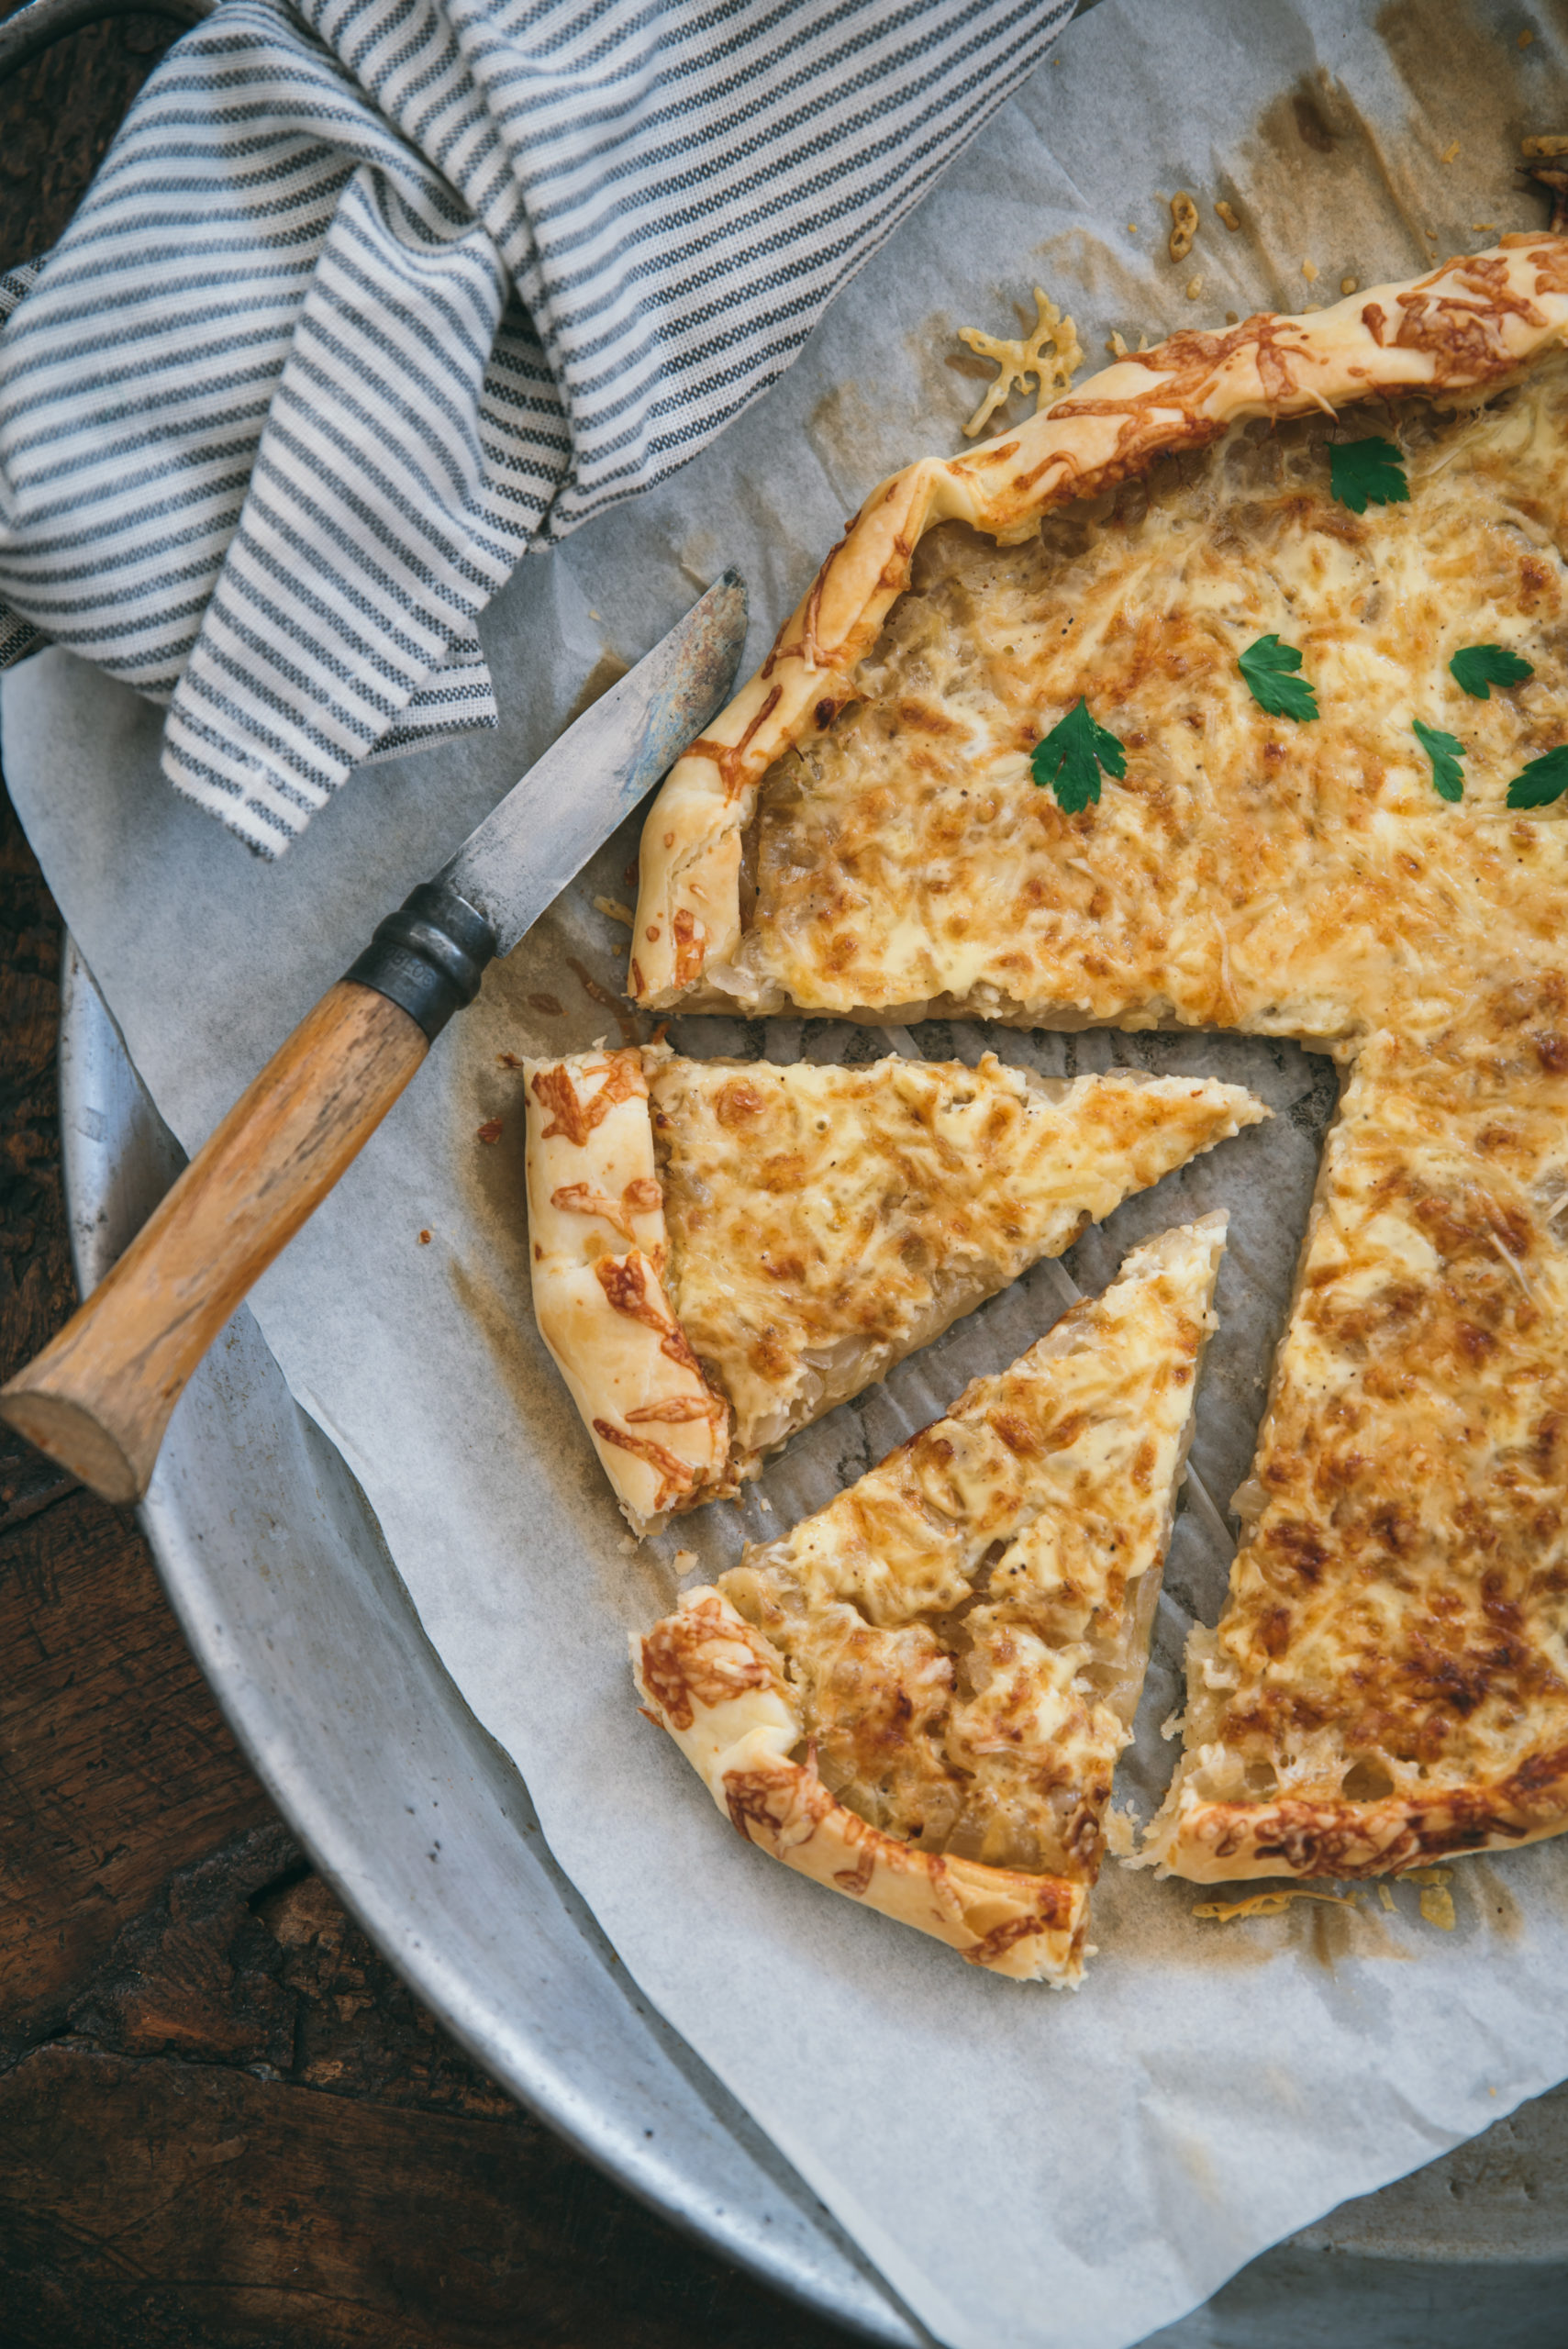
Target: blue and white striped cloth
x=371, y=296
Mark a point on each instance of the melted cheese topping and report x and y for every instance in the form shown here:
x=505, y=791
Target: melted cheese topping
x=964, y=1631
x=1249, y=871
x=1390, y=1676
x=825, y=1221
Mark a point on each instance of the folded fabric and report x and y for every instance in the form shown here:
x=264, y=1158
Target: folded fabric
x=371, y=296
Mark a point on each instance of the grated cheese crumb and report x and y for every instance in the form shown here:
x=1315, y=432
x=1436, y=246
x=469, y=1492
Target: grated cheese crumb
x=1525, y=40
x=1229, y=215
x=1543, y=149
x=1348, y=284
x=1231, y=319
x=1265, y=1904
x=1448, y=154
x=1436, y=1907
x=1116, y=346
x=1184, y=225
x=1132, y=228
x=1387, y=1898
x=1483, y=227
x=1051, y=355
x=1309, y=271
x=613, y=908
x=1121, y=1831
x=1194, y=287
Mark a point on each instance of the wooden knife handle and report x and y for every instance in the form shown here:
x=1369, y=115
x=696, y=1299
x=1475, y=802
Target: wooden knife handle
x=100, y=1396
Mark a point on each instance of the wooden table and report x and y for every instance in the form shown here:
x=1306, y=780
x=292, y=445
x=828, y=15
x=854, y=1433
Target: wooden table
x=223, y=2120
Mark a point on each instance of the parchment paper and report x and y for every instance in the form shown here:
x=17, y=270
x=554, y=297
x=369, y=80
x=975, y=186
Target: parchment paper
x=1024, y=2167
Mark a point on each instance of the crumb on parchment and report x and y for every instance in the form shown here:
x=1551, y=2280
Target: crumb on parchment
x=1450, y=154
x=611, y=908
x=1194, y=287
x=1121, y=1830
x=1051, y=354
x=1348, y=284
x=1184, y=225
x=1437, y=1900
x=1309, y=271
x=1229, y=215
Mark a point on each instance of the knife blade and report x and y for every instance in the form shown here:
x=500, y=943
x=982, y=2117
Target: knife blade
x=521, y=857
x=100, y=1396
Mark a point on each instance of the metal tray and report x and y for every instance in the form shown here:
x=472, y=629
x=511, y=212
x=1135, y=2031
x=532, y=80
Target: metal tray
x=274, y=1562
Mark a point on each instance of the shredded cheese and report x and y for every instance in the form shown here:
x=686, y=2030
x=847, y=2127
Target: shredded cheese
x=1266, y=1904
x=1050, y=356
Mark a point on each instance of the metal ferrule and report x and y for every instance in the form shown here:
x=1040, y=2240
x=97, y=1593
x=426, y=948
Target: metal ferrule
x=429, y=956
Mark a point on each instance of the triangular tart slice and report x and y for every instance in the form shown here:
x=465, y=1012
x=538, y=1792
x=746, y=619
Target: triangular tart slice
x=917, y=1697
x=723, y=1250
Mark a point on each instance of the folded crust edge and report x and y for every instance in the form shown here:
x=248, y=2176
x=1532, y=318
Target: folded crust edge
x=1222, y=1843
x=716, y=1685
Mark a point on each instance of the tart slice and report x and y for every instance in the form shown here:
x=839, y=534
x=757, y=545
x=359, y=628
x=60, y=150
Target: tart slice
x=918, y=1697
x=723, y=1250
x=1389, y=1681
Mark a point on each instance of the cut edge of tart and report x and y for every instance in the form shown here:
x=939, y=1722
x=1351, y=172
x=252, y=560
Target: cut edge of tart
x=917, y=1697
x=722, y=1251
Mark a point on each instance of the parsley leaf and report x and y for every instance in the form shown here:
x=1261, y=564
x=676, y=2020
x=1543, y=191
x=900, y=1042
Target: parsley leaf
x=1359, y=471
x=1476, y=668
x=1542, y=781
x=1268, y=667
x=1070, y=756
x=1445, y=752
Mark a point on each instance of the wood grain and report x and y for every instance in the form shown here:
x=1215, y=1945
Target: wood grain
x=225, y=2124
x=99, y=1397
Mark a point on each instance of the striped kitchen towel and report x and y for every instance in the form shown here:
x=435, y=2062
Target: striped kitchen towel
x=371, y=296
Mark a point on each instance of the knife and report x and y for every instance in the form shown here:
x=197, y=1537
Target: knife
x=100, y=1396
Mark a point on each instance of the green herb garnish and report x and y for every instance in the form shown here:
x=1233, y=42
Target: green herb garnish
x=1367, y=470
x=1070, y=758
x=1543, y=781
x=1476, y=668
x=1269, y=668
x=1445, y=752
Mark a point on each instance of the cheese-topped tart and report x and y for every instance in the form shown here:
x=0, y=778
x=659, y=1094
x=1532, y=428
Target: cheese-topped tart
x=1389, y=1681
x=1369, y=503
x=917, y=1697
x=861, y=832
x=723, y=1250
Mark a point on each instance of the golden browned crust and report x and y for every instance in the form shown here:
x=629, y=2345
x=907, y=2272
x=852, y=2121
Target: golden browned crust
x=1222, y=1842
x=598, y=1248
x=1468, y=325
x=712, y=1681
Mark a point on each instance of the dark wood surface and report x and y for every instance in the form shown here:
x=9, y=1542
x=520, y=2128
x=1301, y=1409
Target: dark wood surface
x=224, y=2122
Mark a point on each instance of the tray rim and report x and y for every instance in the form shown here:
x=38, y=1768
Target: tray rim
x=116, y=1162
x=117, y=1158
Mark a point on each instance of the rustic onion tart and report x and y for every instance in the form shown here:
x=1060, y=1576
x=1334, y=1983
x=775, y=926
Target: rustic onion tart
x=916, y=1698
x=1229, y=692
x=723, y=1250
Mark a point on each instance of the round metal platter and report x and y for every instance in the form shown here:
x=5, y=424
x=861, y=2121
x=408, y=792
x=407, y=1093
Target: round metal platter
x=274, y=1564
